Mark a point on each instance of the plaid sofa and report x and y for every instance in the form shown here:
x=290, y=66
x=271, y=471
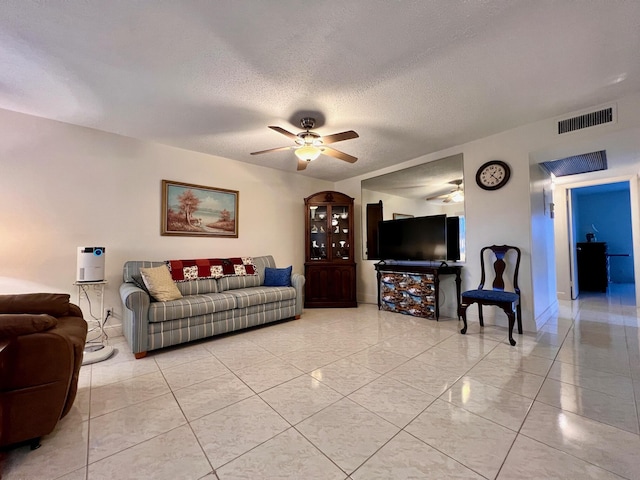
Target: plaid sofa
x=208, y=307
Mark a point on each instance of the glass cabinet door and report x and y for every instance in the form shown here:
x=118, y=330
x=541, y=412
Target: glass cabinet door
x=340, y=234
x=319, y=234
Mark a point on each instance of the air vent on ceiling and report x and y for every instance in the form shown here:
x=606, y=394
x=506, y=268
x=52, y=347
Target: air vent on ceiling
x=587, y=162
x=587, y=120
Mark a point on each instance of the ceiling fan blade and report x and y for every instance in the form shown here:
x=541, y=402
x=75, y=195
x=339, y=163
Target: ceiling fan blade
x=302, y=164
x=442, y=195
x=271, y=150
x=338, y=154
x=284, y=132
x=436, y=197
x=338, y=137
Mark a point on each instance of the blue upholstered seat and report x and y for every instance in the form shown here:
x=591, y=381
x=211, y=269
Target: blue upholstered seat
x=492, y=295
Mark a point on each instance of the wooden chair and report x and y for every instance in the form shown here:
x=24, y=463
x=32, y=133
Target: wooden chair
x=507, y=301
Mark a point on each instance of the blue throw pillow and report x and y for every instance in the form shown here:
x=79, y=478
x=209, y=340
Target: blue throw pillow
x=277, y=277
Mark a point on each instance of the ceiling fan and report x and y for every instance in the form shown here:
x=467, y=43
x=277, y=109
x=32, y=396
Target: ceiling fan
x=309, y=145
x=456, y=195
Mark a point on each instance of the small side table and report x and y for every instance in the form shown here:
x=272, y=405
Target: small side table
x=95, y=349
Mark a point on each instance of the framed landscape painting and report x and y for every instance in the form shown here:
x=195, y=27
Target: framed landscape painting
x=199, y=211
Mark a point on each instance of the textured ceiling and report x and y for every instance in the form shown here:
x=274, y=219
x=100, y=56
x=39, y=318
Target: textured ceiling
x=411, y=77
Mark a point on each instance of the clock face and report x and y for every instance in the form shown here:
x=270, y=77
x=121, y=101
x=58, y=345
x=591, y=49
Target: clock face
x=493, y=175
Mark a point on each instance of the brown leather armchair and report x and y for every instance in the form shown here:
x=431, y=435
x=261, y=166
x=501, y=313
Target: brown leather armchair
x=42, y=339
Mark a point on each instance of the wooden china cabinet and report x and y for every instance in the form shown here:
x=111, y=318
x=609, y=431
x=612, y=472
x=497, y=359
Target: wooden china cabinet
x=329, y=266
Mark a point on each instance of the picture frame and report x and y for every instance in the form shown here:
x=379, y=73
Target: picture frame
x=198, y=211
x=398, y=216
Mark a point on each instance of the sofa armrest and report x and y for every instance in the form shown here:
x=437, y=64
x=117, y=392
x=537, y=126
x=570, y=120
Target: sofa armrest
x=38, y=359
x=74, y=311
x=135, y=318
x=35, y=374
x=297, y=282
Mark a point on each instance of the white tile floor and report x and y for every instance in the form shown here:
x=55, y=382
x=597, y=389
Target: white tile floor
x=362, y=394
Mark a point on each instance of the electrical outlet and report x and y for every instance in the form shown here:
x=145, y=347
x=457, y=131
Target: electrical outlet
x=109, y=312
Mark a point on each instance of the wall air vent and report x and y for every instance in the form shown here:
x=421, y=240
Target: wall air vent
x=585, y=121
x=587, y=162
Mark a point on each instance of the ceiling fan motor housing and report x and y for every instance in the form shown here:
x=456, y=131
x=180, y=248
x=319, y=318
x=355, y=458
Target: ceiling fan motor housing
x=309, y=138
x=308, y=123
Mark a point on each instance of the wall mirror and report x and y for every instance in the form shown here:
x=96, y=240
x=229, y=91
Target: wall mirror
x=431, y=188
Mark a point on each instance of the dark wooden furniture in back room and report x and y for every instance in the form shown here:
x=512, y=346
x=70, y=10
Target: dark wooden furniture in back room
x=330, y=268
x=593, y=266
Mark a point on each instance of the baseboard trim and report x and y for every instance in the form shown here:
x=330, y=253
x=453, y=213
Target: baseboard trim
x=551, y=311
x=113, y=330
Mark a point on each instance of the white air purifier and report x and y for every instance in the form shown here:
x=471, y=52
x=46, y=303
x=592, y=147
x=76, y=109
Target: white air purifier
x=90, y=264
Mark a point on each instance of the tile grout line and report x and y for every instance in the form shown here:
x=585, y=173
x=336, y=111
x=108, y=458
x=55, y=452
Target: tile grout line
x=524, y=420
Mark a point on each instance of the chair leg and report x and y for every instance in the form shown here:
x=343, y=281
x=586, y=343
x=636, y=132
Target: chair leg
x=480, y=314
x=512, y=320
x=519, y=317
x=462, y=312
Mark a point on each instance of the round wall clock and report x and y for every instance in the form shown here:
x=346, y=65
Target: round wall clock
x=493, y=175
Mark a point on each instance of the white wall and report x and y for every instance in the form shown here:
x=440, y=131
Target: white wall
x=63, y=186
x=542, y=246
x=621, y=141
x=499, y=217
x=505, y=216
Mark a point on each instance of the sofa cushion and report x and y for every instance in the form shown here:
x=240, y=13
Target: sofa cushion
x=160, y=284
x=54, y=304
x=191, y=306
x=277, y=277
x=198, y=287
x=247, y=297
x=13, y=325
x=233, y=282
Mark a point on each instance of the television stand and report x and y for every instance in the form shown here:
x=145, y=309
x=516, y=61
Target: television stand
x=414, y=289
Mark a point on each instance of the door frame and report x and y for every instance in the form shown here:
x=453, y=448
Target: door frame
x=566, y=276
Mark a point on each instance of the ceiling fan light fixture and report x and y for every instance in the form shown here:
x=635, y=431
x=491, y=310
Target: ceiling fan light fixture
x=457, y=197
x=308, y=153
x=309, y=145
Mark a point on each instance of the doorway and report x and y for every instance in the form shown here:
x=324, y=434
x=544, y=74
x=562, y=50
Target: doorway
x=600, y=231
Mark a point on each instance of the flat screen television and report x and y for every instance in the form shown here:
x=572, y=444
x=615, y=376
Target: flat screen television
x=419, y=238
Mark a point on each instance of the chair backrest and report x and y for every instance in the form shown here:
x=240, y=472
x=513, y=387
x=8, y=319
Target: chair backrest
x=499, y=253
